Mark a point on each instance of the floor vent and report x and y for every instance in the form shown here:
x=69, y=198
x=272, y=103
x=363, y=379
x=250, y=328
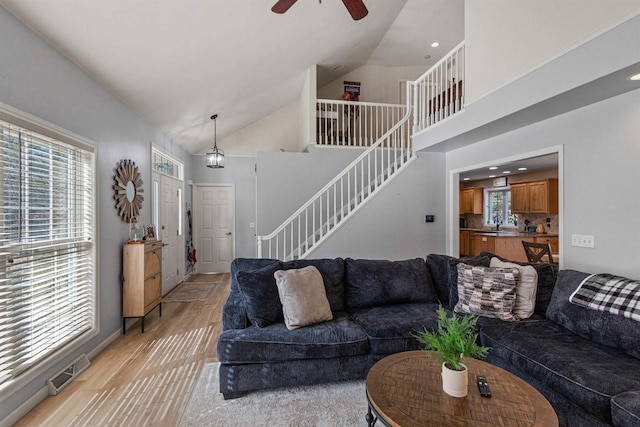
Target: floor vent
x=64, y=377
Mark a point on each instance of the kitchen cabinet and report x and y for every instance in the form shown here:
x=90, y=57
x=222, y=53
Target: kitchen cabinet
x=535, y=197
x=471, y=200
x=507, y=246
x=483, y=243
x=511, y=248
x=465, y=242
x=553, y=241
x=142, y=271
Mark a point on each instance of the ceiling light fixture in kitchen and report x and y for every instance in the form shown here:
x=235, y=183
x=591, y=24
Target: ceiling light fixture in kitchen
x=506, y=172
x=466, y=178
x=492, y=168
x=522, y=169
x=635, y=77
x=435, y=44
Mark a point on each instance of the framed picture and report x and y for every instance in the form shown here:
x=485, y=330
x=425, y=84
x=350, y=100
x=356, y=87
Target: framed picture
x=149, y=232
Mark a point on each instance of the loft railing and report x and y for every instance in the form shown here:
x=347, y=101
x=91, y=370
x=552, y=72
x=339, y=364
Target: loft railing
x=355, y=124
x=386, y=130
x=344, y=195
x=439, y=93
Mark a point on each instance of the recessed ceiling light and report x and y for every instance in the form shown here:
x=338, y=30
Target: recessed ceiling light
x=435, y=44
x=466, y=179
x=522, y=169
x=635, y=77
x=492, y=168
x=492, y=176
x=506, y=171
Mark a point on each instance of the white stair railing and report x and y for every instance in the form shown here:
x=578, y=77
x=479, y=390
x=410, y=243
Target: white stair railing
x=439, y=93
x=344, y=195
x=435, y=96
x=355, y=124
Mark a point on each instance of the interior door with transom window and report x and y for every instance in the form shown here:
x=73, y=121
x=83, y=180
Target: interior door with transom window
x=168, y=217
x=214, y=223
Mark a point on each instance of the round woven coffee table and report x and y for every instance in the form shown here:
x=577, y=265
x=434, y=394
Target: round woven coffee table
x=405, y=389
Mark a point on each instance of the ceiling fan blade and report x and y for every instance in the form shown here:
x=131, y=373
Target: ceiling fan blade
x=282, y=6
x=356, y=9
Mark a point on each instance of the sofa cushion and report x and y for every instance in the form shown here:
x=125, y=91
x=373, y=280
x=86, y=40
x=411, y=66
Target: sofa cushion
x=604, y=328
x=438, y=266
x=332, y=271
x=247, y=264
x=546, y=281
x=391, y=327
x=525, y=289
x=487, y=291
x=372, y=283
x=586, y=373
x=304, y=300
x=452, y=273
x=339, y=337
x=625, y=409
x=258, y=287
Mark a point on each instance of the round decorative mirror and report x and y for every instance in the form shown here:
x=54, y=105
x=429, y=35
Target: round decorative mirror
x=128, y=190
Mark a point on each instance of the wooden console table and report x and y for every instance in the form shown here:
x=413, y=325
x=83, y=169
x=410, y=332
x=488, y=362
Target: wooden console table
x=142, y=287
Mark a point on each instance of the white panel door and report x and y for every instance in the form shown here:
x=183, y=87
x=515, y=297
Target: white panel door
x=169, y=233
x=214, y=220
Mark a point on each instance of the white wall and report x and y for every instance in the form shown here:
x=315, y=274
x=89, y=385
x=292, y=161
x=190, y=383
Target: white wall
x=239, y=171
x=287, y=180
x=392, y=225
x=279, y=130
x=600, y=178
x=37, y=79
x=379, y=84
x=506, y=39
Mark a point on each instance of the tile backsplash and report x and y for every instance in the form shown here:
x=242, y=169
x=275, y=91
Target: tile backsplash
x=476, y=221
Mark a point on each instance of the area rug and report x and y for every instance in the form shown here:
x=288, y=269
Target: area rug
x=341, y=404
x=190, y=291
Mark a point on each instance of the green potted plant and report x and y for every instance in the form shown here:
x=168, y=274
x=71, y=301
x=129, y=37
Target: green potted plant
x=454, y=339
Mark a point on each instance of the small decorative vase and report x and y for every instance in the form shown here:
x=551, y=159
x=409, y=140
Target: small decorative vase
x=455, y=383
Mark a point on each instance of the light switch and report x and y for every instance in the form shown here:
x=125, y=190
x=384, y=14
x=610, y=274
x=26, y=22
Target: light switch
x=583, y=241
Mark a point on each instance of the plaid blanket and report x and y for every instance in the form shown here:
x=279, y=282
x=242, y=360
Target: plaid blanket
x=609, y=293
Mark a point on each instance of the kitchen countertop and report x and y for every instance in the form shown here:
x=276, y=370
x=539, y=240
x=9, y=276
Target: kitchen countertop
x=508, y=233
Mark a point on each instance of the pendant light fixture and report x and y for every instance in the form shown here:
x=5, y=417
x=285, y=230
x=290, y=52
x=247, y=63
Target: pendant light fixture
x=215, y=156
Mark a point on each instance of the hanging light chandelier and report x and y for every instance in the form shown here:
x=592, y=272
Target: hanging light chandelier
x=215, y=156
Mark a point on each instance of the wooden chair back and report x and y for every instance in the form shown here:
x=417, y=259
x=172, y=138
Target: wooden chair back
x=536, y=251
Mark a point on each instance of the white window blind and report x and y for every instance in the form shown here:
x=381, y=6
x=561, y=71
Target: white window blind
x=47, y=255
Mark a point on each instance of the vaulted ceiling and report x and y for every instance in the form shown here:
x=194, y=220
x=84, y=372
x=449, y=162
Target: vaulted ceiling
x=177, y=62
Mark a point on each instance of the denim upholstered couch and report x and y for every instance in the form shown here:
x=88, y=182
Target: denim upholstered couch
x=586, y=363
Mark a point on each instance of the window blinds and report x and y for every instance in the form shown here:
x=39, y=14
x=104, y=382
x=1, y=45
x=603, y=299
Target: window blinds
x=47, y=256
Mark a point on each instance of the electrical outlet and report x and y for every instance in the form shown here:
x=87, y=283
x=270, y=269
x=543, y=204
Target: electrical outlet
x=582, y=241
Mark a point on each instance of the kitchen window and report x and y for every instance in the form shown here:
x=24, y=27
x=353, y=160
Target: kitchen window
x=48, y=283
x=498, y=208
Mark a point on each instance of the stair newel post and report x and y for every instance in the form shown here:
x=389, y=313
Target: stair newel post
x=416, y=99
x=259, y=245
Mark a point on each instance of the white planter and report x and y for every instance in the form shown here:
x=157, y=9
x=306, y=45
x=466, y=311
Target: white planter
x=455, y=383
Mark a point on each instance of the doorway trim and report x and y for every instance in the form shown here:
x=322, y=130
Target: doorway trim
x=194, y=211
x=453, y=228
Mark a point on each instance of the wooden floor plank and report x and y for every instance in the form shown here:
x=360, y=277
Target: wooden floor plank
x=143, y=378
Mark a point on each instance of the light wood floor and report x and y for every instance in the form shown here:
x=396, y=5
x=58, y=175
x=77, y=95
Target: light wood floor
x=143, y=379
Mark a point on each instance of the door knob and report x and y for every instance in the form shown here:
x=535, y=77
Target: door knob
x=229, y=234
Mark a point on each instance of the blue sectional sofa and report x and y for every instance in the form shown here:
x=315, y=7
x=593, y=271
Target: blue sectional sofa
x=586, y=363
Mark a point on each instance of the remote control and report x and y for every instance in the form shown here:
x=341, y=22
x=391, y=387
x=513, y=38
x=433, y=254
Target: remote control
x=483, y=386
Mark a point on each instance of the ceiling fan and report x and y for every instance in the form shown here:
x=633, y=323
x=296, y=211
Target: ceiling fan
x=356, y=8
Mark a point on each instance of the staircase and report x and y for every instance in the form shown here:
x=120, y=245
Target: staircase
x=386, y=130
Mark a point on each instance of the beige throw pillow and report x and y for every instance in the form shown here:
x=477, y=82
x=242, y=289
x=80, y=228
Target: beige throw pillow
x=526, y=288
x=303, y=297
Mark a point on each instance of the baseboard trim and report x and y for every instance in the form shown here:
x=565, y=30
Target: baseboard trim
x=41, y=394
